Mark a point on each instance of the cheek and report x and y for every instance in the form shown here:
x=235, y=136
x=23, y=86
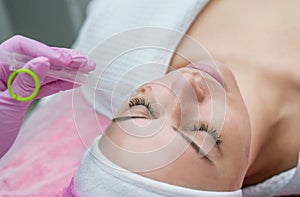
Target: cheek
x=238, y=120
x=234, y=132
x=236, y=140
x=241, y=122
x=211, y=112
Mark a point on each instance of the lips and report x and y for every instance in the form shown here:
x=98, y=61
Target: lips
x=207, y=69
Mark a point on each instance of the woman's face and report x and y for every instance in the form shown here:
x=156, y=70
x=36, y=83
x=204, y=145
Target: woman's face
x=189, y=128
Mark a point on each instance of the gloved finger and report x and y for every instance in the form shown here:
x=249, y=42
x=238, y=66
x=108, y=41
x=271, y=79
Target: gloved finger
x=78, y=61
x=23, y=84
x=33, y=48
x=4, y=74
x=55, y=87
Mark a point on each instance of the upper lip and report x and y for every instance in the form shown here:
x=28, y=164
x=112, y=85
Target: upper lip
x=207, y=69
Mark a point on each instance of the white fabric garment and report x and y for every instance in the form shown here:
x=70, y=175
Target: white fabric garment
x=128, y=60
x=97, y=176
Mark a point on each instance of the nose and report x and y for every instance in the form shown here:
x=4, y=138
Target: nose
x=186, y=92
x=189, y=90
x=191, y=85
x=177, y=96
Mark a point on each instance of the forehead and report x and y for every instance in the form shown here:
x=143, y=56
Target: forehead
x=165, y=152
x=165, y=145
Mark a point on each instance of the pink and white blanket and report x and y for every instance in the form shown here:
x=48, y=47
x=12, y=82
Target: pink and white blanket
x=49, y=147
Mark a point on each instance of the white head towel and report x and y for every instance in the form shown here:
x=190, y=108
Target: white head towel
x=283, y=184
x=125, y=54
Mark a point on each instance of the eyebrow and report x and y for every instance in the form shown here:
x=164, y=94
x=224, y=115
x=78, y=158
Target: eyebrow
x=122, y=118
x=195, y=146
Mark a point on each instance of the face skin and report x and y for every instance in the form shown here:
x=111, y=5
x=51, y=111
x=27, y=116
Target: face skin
x=185, y=129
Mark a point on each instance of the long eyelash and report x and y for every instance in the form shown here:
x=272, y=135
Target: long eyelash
x=211, y=131
x=144, y=102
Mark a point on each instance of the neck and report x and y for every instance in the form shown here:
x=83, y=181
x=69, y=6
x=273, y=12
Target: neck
x=260, y=107
x=267, y=95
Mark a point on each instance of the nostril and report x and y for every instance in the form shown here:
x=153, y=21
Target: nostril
x=143, y=89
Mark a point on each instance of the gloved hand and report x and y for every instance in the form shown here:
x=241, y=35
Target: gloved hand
x=43, y=57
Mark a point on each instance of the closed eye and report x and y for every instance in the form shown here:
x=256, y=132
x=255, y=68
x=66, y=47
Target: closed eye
x=142, y=101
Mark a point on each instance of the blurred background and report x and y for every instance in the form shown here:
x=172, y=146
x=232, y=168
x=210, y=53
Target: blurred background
x=54, y=22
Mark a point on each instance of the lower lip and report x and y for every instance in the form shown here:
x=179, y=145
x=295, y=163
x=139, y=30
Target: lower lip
x=207, y=69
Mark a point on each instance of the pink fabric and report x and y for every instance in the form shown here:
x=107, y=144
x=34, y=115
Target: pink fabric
x=47, y=151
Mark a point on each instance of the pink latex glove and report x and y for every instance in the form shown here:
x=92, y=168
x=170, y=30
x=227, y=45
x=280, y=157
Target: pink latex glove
x=43, y=57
